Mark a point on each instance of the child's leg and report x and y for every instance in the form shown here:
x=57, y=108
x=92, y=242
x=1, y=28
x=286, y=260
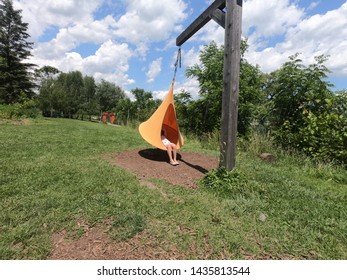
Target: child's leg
x=169, y=152
x=174, y=150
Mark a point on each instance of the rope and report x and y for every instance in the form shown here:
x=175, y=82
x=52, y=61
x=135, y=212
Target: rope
x=177, y=63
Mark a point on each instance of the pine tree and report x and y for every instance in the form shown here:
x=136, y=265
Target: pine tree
x=16, y=77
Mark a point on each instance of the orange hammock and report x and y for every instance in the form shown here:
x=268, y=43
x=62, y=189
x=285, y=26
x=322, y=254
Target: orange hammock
x=164, y=118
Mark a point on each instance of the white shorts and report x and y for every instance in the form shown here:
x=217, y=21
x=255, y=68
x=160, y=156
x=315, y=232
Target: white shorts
x=166, y=142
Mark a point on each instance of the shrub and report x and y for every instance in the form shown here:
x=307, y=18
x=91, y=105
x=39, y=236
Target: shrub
x=25, y=109
x=322, y=135
x=325, y=136
x=225, y=183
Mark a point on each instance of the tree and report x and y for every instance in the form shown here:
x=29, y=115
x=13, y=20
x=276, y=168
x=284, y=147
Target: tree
x=89, y=105
x=182, y=101
x=304, y=113
x=65, y=94
x=45, y=73
x=144, y=103
x=251, y=97
x=2, y=76
x=125, y=111
x=108, y=94
x=73, y=85
x=45, y=78
x=209, y=73
x=295, y=86
x=324, y=133
x=210, y=77
x=16, y=78
x=59, y=96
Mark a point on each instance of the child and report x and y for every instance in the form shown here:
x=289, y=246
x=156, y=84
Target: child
x=171, y=149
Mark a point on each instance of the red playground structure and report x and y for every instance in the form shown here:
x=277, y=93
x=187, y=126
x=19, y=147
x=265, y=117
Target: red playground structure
x=108, y=117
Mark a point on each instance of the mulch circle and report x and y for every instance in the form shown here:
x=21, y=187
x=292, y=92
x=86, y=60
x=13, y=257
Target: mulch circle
x=154, y=163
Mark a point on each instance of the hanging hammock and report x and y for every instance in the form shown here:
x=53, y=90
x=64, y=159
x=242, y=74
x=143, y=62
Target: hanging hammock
x=164, y=118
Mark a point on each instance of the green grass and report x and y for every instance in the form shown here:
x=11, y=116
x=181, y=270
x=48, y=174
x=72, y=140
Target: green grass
x=52, y=175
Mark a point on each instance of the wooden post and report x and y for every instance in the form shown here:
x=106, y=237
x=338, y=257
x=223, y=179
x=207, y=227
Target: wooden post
x=232, y=41
x=231, y=76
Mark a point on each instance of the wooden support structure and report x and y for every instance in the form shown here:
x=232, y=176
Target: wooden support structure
x=231, y=78
x=231, y=21
x=201, y=20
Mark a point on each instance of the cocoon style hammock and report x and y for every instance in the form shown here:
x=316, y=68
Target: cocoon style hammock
x=164, y=118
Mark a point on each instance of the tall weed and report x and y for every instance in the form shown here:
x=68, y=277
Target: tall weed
x=210, y=140
x=257, y=143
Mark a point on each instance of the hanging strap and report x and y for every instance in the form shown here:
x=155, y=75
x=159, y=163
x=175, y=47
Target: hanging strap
x=177, y=63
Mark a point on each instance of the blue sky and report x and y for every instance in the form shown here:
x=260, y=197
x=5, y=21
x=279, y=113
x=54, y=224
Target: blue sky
x=132, y=43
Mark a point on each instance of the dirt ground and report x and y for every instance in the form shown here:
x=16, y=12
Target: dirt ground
x=95, y=244
x=154, y=163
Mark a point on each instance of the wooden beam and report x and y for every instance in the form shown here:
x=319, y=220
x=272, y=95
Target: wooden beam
x=231, y=76
x=219, y=17
x=204, y=18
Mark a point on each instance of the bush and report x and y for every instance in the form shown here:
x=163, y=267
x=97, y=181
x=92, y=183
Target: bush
x=226, y=184
x=325, y=136
x=25, y=109
x=321, y=135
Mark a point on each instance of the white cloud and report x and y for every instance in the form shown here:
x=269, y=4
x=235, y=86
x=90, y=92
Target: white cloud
x=309, y=36
x=191, y=57
x=69, y=38
x=42, y=14
x=146, y=20
x=109, y=56
x=160, y=94
x=271, y=18
x=313, y=5
x=141, y=50
x=211, y=32
x=142, y=23
x=97, y=31
x=190, y=85
x=268, y=59
x=260, y=22
x=110, y=62
x=154, y=69
x=74, y=18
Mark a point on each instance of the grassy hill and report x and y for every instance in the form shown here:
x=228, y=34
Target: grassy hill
x=52, y=175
